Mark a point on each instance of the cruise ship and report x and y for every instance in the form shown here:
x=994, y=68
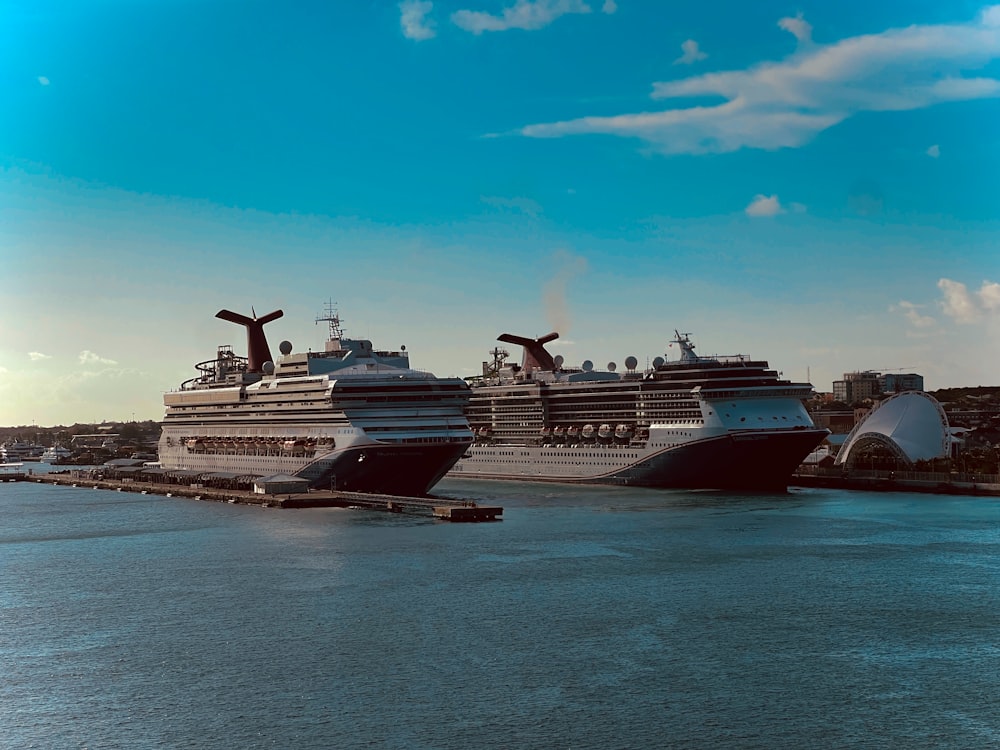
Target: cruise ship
x=349, y=417
x=698, y=422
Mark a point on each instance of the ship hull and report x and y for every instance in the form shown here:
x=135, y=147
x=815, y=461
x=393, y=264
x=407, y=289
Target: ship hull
x=406, y=469
x=750, y=461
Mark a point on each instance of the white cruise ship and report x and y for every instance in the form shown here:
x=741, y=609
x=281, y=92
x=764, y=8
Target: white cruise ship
x=348, y=417
x=699, y=422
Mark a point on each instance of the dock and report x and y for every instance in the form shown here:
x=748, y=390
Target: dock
x=445, y=509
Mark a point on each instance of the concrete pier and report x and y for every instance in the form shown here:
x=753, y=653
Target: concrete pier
x=441, y=508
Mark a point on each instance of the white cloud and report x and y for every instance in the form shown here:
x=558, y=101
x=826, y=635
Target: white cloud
x=691, y=53
x=36, y=356
x=797, y=26
x=609, y=7
x=413, y=19
x=913, y=315
x=528, y=15
x=785, y=104
x=43, y=80
x=764, y=205
x=989, y=296
x=934, y=151
x=965, y=306
x=89, y=358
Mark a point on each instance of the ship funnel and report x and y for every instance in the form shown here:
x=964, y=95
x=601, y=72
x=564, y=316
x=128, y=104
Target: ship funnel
x=535, y=356
x=257, y=350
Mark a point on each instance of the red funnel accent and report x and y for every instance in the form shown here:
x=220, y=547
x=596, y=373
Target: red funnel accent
x=535, y=356
x=257, y=350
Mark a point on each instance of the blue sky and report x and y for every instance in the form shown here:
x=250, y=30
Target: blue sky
x=817, y=184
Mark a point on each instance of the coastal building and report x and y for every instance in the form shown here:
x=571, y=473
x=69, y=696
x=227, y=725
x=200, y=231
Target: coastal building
x=868, y=384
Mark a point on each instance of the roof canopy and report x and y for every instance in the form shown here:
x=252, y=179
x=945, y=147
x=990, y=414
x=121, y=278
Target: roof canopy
x=911, y=424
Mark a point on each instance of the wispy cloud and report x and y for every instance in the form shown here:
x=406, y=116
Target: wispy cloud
x=413, y=19
x=797, y=26
x=89, y=358
x=765, y=205
x=934, y=151
x=527, y=15
x=691, y=53
x=912, y=313
x=526, y=206
x=785, y=104
x=36, y=356
x=965, y=306
x=43, y=80
x=609, y=7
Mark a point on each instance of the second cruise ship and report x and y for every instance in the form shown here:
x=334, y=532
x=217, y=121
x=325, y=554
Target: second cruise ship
x=698, y=422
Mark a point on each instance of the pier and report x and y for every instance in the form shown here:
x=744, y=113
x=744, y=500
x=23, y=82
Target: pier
x=441, y=508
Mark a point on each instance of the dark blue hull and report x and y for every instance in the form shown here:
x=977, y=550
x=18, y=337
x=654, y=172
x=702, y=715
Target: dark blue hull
x=752, y=460
x=407, y=469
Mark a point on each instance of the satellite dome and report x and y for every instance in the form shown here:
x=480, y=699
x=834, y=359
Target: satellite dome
x=658, y=362
x=631, y=362
x=587, y=365
x=558, y=359
x=285, y=347
x=268, y=367
x=612, y=367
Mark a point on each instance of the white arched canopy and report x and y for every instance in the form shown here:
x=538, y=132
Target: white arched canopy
x=912, y=425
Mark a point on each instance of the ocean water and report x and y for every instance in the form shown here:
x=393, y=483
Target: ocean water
x=587, y=618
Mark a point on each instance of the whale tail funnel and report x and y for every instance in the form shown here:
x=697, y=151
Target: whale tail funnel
x=258, y=351
x=535, y=356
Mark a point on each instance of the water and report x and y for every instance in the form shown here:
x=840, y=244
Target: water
x=588, y=618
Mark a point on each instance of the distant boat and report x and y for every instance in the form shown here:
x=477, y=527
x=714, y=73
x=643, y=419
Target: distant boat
x=55, y=454
x=20, y=451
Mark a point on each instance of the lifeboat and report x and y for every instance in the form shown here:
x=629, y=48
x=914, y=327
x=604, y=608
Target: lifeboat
x=587, y=433
x=572, y=434
x=546, y=434
x=195, y=444
x=623, y=433
x=559, y=434
x=604, y=432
